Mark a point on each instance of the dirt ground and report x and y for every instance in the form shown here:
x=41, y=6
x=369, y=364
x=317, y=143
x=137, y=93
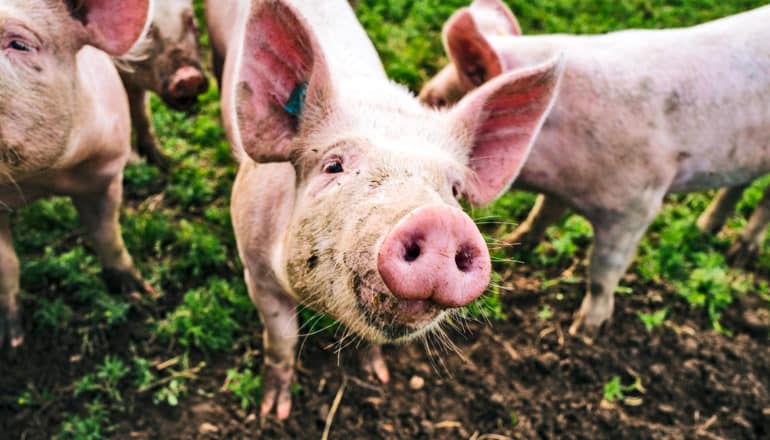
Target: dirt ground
x=522, y=377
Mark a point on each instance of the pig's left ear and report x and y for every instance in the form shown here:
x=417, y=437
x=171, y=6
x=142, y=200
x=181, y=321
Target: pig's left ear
x=499, y=122
x=111, y=25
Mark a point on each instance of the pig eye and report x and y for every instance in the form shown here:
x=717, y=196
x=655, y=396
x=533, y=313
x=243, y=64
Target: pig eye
x=19, y=46
x=334, y=166
x=456, y=190
x=440, y=102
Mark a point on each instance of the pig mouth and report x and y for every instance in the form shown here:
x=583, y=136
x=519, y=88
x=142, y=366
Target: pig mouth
x=397, y=319
x=188, y=104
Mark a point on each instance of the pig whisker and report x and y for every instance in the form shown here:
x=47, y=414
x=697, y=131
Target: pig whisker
x=449, y=345
x=502, y=287
x=496, y=223
x=435, y=358
x=486, y=217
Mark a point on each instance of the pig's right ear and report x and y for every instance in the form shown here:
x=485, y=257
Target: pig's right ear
x=499, y=123
x=476, y=60
x=281, y=80
x=111, y=25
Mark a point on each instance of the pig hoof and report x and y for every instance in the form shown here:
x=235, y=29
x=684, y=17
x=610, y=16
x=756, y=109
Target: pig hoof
x=585, y=328
x=709, y=225
x=742, y=254
x=276, y=389
x=153, y=155
x=127, y=282
x=11, y=331
x=373, y=363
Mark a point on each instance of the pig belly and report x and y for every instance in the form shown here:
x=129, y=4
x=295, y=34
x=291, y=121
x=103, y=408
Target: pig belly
x=723, y=167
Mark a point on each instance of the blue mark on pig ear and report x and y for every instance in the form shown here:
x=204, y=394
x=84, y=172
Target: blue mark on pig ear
x=296, y=102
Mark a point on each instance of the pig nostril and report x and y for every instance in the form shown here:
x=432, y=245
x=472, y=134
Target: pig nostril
x=464, y=258
x=412, y=252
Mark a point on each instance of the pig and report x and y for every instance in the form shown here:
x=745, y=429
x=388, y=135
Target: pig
x=346, y=198
x=640, y=114
x=167, y=62
x=64, y=127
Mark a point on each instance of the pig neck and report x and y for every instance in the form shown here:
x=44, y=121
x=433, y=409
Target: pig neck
x=677, y=110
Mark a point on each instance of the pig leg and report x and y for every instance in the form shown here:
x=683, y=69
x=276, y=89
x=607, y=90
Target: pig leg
x=747, y=247
x=10, y=324
x=715, y=216
x=279, y=317
x=99, y=215
x=218, y=65
x=146, y=141
x=547, y=211
x=616, y=237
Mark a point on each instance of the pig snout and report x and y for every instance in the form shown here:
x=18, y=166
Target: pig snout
x=435, y=253
x=184, y=87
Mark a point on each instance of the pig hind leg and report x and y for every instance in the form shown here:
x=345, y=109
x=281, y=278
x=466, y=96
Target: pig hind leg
x=146, y=141
x=278, y=313
x=715, y=216
x=749, y=243
x=10, y=323
x=616, y=237
x=99, y=215
x=547, y=211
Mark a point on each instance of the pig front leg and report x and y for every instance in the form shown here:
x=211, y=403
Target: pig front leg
x=616, y=237
x=146, y=141
x=715, y=216
x=749, y=243
x=278, y=313
x=547, y=211
x=10, y=323
x=99, y=215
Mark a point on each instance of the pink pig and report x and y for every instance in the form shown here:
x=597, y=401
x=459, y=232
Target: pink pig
x=346, y=196
x=640, y=114
x=64, y=126
x=165, y=61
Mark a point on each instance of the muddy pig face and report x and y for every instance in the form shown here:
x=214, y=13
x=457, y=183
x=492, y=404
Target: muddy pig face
x=39, y=91
x=377, y=239
x=468, y=38
x=167, y=61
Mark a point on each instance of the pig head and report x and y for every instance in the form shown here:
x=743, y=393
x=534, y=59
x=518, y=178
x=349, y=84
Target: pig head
x=470, y=37
x=167, y=59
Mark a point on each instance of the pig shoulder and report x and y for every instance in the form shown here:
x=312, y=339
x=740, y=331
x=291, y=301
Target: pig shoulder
x=100, y=141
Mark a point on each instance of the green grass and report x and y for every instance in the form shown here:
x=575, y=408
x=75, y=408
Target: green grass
x=179, y=232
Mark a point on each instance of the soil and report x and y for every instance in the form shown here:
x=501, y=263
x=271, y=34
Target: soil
x=521, y=377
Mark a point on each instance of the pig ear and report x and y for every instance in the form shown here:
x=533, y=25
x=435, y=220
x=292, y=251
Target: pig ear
x=476, y=60
x=281, y=78
x=499, y=122
x=493, y=17
x=111, y=25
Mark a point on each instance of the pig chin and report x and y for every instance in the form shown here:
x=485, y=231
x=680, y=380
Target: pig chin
x=395, y=319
